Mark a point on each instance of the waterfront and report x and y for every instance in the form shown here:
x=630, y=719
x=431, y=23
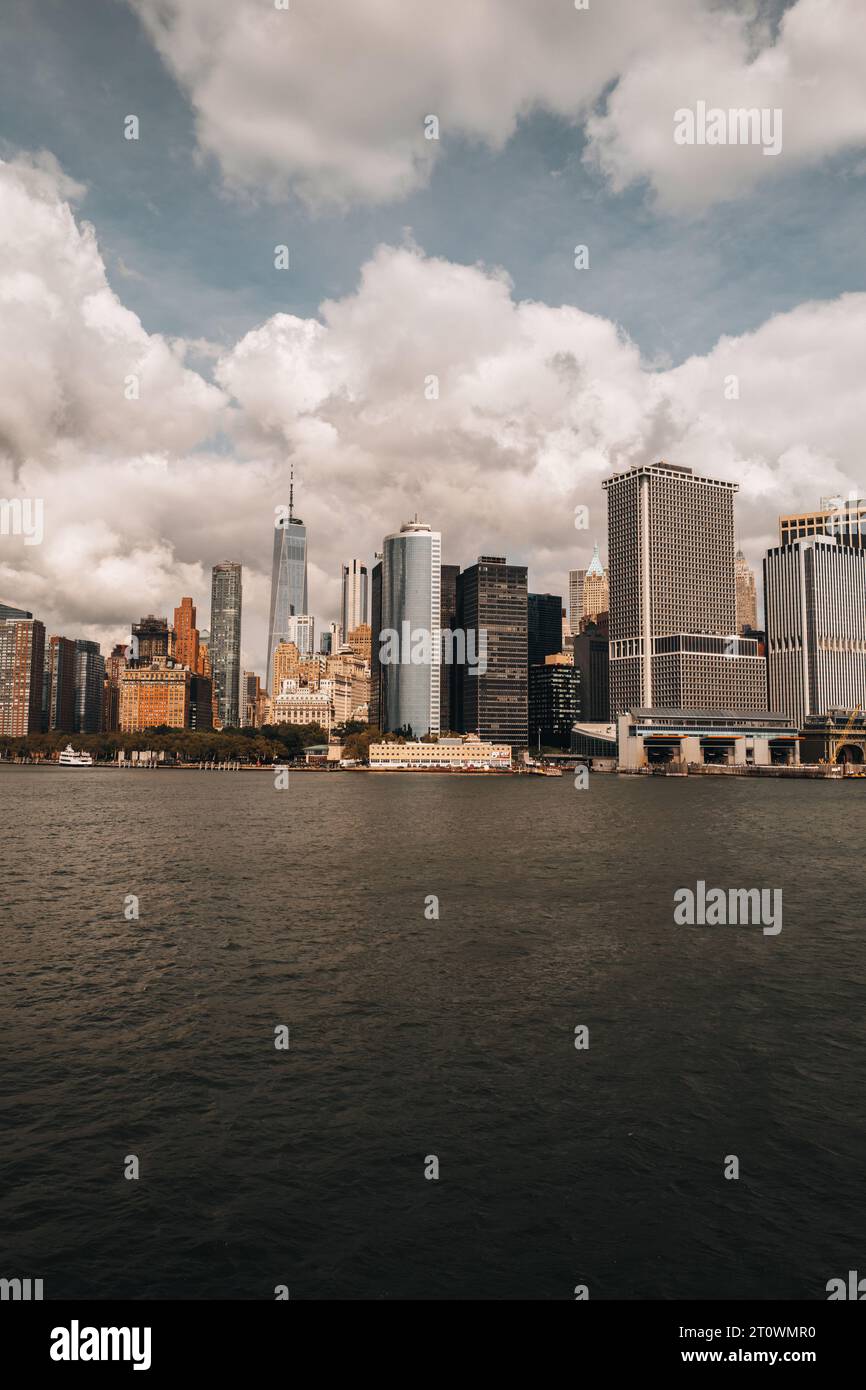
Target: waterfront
x=412, y=1037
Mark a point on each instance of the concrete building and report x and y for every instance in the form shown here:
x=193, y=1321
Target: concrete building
x=152, y=640
x=225, y=640
x=469, y=753
x=164, y=694
x=588, y=592
x=746, y=596
x=186, y=635
x=300, y=704
x=492, y=611
x=22, y=668
x=673, y=639
x=353, y=596
x=409, y=650
x=714, y=736
x=301, y=629
x=815, y=597
x=251, y=690
x=839, y=517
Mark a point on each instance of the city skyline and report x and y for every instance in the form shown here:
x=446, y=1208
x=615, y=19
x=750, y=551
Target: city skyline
x=183, y=372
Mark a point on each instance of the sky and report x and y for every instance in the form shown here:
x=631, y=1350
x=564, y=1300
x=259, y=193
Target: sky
x=431, y=345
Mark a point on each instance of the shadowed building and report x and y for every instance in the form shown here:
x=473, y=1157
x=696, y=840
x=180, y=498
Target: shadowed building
x=225, y=641
x=58, y=695
x=492, y=611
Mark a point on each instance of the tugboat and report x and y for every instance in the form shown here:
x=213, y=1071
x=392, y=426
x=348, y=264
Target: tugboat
x=69, y=758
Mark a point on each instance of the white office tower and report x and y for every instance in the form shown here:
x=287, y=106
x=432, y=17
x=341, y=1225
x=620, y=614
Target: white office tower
x=353, y=603
x=673, y=624
x=815, y=597
x=410, y=645
x=301, y=630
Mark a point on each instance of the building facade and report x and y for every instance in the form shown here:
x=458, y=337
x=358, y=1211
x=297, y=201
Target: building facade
x=449, y=716
x=470, y=753
x=353, y=596
x=673, y=639
x=301, y=704
x=58, y=692
x=543, y=627
x=89, y=682
x=592, y=663
x=22, y=670
x=186, y=635
x=840, y=517
x=554, y=704
x=492, y=612
x=225, y=640
x=164, y=694
x=288, y=578
x=588, y=592
x=746, y=595
x=815, y=597
x=152, y=640
x=410, y=646
x=375, y=631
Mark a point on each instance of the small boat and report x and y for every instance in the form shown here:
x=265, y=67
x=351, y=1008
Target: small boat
x=69, y=758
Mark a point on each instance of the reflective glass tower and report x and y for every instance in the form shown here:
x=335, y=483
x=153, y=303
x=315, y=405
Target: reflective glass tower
x=288, y=580
x=411, y=607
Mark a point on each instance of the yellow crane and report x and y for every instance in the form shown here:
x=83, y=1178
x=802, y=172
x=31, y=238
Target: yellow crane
x=840, y=743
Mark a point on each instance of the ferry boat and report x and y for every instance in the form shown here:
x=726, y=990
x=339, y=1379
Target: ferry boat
x=69, y=758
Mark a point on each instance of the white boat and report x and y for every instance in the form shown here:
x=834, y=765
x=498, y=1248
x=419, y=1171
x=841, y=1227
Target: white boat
x=69, y=758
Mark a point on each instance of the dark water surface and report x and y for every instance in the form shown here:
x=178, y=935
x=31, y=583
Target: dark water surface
x=412, y=1037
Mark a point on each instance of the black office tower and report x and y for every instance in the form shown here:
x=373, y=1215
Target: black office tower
x=492, y=614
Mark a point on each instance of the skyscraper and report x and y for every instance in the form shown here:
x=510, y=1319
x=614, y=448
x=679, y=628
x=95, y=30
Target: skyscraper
x=544, y=627
x=592, y=662
x=89, y=679
x=449, y=717
x=58, y=696
x=225, y=642
x=554, y=703
x=151, y=639
x=410, y=661
x=588, y=592
x=673, y=641
x=815, y=596
x=186, y=635
x=492, y=606
x=375, y=711
x=22, y=665
x=288, y=576
x=353, y=601
x=746, y=594
x=844, y=517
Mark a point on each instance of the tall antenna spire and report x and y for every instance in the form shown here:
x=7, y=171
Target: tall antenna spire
x=292, y=491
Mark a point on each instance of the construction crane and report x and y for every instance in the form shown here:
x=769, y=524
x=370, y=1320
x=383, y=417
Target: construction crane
x=840, y=742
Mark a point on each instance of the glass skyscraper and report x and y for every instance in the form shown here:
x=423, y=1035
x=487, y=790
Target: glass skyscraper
x=288, y=584
x=411, y=610
x=225, y=642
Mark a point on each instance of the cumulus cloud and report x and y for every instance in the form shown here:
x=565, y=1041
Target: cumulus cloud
x=75, y=363
x=330, y=100
x=531, y=406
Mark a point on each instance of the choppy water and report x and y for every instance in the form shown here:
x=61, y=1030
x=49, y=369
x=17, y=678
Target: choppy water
x=412, y=1037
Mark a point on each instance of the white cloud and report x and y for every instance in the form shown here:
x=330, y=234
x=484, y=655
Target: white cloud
x=330, y=99
x=536, y=405
x=68, y=346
